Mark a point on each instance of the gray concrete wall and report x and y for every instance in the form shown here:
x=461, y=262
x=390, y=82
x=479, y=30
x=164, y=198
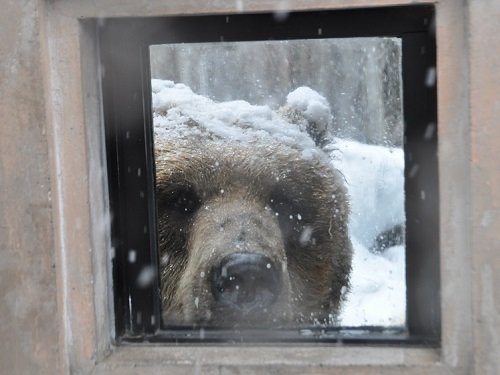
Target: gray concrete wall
x=53, y=315
x=484, y=59
x=28, y=309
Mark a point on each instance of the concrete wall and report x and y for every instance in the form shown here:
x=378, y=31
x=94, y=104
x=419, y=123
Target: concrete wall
x=484, y=129
x=54, y=315
x=29, y=328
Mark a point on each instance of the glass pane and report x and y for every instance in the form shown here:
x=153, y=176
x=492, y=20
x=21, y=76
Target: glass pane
x=279, y=164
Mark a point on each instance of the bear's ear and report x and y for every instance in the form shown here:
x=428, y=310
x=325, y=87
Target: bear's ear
x=311, y=112
x=317, y=131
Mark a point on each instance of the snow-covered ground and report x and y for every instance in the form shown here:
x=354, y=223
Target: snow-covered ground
x=374, y=178
x=375, y=181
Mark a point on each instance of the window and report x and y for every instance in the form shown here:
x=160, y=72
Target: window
x=125, y=51
x=260, y=91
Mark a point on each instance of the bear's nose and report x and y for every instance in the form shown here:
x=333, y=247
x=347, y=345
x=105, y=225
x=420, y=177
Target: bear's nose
x=246, y=282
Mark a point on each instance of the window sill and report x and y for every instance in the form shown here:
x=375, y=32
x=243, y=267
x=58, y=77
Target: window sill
x=152, y=358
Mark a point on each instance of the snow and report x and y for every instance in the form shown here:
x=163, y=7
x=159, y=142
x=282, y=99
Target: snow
x=305, y=236
x=312, y=105
x=281, y=11
x=146, y=277
x=176, y=107
x=375, y=182
x=374, y=178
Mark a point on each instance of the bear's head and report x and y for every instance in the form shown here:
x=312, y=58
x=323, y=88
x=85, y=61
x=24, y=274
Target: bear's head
x=252, y=219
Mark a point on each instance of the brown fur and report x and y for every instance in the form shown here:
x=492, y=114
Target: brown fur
x=215, y=200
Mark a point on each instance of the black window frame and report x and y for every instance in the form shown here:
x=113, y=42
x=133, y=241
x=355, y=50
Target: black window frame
x=126, y=94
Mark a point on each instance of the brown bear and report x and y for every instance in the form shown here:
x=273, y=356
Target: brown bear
x=252, y=216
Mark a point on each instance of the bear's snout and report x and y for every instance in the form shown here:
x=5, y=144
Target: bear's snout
x=246, y=283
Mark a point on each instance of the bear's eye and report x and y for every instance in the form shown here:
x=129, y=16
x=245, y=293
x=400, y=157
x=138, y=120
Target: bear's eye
x=286, y=208
x=184, y=200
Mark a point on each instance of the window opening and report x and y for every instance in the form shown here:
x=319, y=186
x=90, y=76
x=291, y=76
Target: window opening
x=342, y=94
x=221, y=79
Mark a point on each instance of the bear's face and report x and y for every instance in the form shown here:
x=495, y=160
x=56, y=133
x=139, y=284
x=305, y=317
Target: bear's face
x=249, y=234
